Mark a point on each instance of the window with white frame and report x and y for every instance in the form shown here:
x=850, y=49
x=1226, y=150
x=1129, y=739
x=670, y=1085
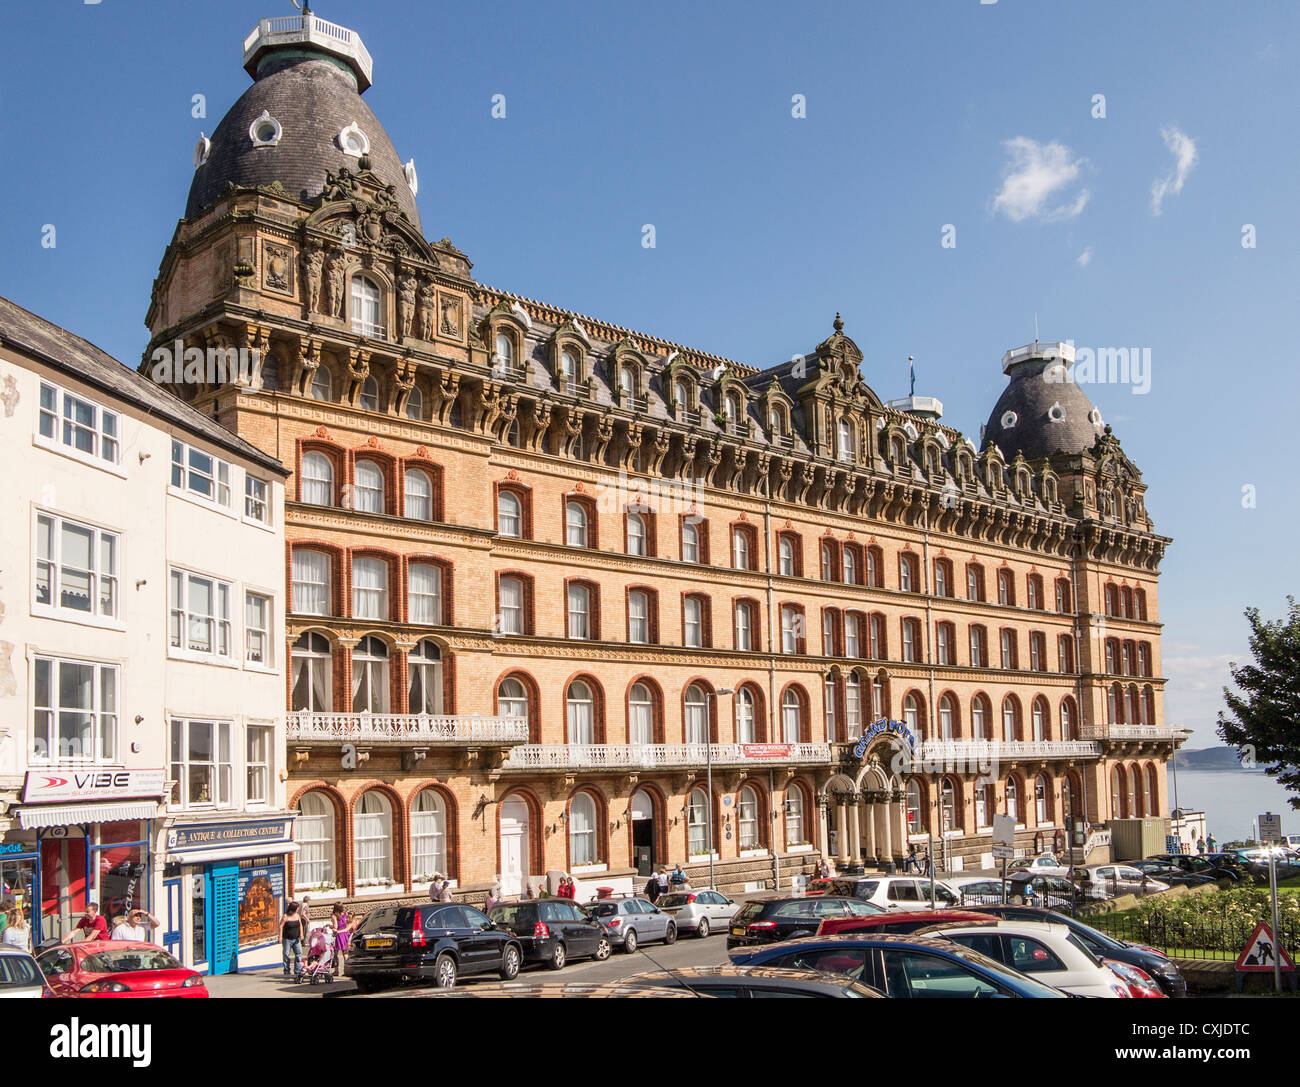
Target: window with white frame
x=424, y=663
x=984, y=804
x=943, y=644
x=693, y=622
x=417, y=500
x=76, y=567
x=368, y=492
x=747, y=817
x=745, y=716
x=697, y=823
x=71, y=422
x=313, y=830
x=74, y=711
x=794, y=822
x=791, y=629
x=317, y=485
x=369, y=588
x=370, y=393
x=853, y=704
x=428, y=835
x=641, y=715
x=257, y=501
x=415, y=404
x=830, y=700
x=201, y=763
x=638, y=617
x=370, y=676
x=257, y=629
x=311, y=661
x=740, y=545
x=791, y=717
x=828, y=632
x=579, y=605
x=424, y=593
x=311, y=570
x=372, y=831
x=258, y=767
x=947, y=716
x=697, y=716
x=849, y=567
x=200, y=615
x=509, y=515
x=512, y=605
x=1008, y=644
x=785, y=556
x=636, y=536
x=512, y=699
x=582, y=830
x=690, y=542
x=911, y=649
x=845, y=443
x=575, y=521
x=322, y=384
x=745, y=626
x=581, y=709
x=201, y=474
x=367, y=318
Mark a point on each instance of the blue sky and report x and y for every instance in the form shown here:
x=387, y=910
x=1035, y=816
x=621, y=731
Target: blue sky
x=679, y=115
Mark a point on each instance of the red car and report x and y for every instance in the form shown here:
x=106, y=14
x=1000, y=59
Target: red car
x=117, y=968
x=904, y=923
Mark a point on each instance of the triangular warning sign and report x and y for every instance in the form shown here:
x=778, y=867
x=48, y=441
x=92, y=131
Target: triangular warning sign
x=1260, y=950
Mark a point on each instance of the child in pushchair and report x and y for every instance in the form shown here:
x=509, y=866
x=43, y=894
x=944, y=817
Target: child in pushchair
x=318, y=967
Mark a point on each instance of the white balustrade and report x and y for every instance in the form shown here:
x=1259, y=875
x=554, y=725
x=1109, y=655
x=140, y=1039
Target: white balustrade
x=654, y=756
x=1132, y=732
x=403, y=728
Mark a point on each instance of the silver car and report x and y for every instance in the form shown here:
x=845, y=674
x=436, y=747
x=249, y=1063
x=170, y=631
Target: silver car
x=700, y=912
x=632, y=921
x=1110, y=880
x=19, y=974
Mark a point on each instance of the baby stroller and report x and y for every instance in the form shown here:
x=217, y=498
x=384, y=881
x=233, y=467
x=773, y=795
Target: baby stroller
x=318, y=967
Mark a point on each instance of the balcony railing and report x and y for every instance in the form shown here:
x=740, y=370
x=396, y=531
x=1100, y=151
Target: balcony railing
x=368, y=329
x=655, y=756
x=1132, y=732
x=310, y=29
x=1004, y=750
x=404, y=728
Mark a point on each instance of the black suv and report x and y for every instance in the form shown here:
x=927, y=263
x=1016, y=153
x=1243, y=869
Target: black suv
x=553, y=930
x=767, y=920
x=432, y=940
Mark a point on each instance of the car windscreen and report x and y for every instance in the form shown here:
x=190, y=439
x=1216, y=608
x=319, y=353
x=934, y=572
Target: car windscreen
x=799, y=908
x=513, y=913
x=384, y=917
x=18, y=971
x=747, y=912
x=123, y=962
x=1014, y=978
x=603, y=909
x=672, y=900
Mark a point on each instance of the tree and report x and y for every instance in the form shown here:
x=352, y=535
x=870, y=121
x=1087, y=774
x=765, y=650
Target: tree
x=1265, y=714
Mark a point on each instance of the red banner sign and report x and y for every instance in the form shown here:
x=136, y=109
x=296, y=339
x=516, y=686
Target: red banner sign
x=766, y=751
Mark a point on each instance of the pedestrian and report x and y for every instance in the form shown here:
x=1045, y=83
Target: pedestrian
x=138, y=925
x=493, y=897
x=435, y=888
x=662, y=879
x=678, y=878
x=444, y=895
x=1214, y=846
x=90, y=927
x=651, y=890
x=304, y=911
x=824, y=870
x=1200, y=845
x=17, y=932
x=291, y=934
x=911, y=864
x=342, y=935
x=926, y=865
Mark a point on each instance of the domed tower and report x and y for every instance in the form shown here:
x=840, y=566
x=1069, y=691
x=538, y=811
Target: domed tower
x=301, y=251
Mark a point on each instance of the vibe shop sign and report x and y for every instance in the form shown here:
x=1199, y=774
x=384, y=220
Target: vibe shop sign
x=42, y=787
x=879, y=728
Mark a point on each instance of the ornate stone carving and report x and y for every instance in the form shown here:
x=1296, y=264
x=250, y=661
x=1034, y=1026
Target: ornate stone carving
x=407, y=285
x=277, y=268
x=426, y=296
x=312, y=262
x=335, y=266
x=450, y=319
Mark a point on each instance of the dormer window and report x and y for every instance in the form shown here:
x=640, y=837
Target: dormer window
x=682, y=394
x=265, y=131
x=627, y=380
x=570, y=369
x=352, y=141
x=734, y=409
x=505, y=355
x=367, y=317
x=844, y=438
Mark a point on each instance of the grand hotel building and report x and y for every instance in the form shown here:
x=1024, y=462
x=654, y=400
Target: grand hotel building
x=548, y=576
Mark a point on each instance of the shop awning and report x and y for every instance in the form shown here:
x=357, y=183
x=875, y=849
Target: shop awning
x=201, y=856
x=71, y=814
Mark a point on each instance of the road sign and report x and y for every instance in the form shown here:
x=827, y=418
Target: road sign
x=1004, y=830
x=1004, y=852
x=1262, y=952
x=1270, y=828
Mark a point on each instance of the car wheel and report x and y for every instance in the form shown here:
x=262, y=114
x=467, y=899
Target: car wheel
x=702, y=930
x=558, y=956
x=444, y=971
x=629, y=941
x=670, y=936
x=510, y=963
x=602, y=949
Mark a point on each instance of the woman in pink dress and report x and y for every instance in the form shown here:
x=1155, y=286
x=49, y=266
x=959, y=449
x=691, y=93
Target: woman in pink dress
x=342, y=935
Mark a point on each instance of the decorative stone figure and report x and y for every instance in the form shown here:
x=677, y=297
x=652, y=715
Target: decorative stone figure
x=426, y=295
x=334, y=283
x=312, y=261
x=406, y=287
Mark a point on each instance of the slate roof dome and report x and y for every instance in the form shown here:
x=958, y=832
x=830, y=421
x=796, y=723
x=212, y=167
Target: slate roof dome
x=1041, y=411
x=309, y=76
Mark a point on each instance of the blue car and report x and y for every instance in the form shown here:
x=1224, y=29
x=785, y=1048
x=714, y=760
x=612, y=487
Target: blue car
x=900, y=966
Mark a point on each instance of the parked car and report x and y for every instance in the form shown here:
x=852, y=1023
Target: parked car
x=1102, y=944
x=1111, y=880
x=746, y=982
x=1141, y=985
x=117, y=968
x=1025, y=887
x=700, y=912
x=897, y=923
x=901, y=966
x=1172, y=874
x=433, y=941
x=20, y=977
x=783, y=917
x=897, y=892
x=633, y=920
x=1202, y=865
x=552, y=930
x=1044, y=864
x=1050, y=953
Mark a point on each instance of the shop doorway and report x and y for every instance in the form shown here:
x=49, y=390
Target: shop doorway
x=514, y=847
x=642, y=814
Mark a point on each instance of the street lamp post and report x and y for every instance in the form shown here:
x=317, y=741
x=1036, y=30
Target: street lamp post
x=708, y=773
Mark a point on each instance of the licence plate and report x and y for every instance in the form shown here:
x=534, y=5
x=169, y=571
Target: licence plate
x=738, y=931
x=376, y=942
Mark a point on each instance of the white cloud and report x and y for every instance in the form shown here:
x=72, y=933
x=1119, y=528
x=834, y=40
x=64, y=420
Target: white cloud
x=1194, y=694
x=1084, y=258
x=1034, y=181
x=1183, y=148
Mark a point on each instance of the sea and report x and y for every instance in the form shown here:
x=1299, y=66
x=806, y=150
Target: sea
x=1232, y=799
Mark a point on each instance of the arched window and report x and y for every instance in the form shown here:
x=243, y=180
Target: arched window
x=947, y=717
x=627, y=379
x=911, y=640
x=948, y=805
x=981, y=723
x=942, y=582
x=425, y=665
x=1006, y=587
x=914, y=716
x=697, y=823
x=785, y=556
x=878, y=647
x=367, y=318
x=915, y=808
x=640, y=715
x=569, y=369
x=1038, y=714
x=317, y=487
x=747, y=818
x=1117, y=793
x=1152, y=790
x=370, y=393
x=792, y=634
x=372, y=831
x=636, y=535
x=1009, y=722
x=735, y=411
x=314, y=832
x=512, y=600
x=1063, y=595
x=979, y=647
x=875, y=573
x=907, y=581
x=791, y=717
x=1148, y=705
x=845, y=440
x=369, y=588
x=745, y=716
x=974, y=582
x=830, y=700
x=510, y=519
x=853, y=705
x=582, y=830
x=370, y=676
x=682, y=394
x=1012, y=800
x=368, y=492
x=638, y=617
x=428, y=836
x=1035, y=592
x=1042, y=800
x=505, y=355
x=580, y=611
x=575, y=524
x=794, y=816
x=512, y=698
x=984, y=804
x=581, y=708
x=415, y=405
x=690, y=541
x=1131, y=795
x=828, y=562
x=1140, y=604
x=697, y=715
x=849, y=563
x=852, y=634
x=311, y=673
x=417, y=501
x=322, y=384
x=1067, y=720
